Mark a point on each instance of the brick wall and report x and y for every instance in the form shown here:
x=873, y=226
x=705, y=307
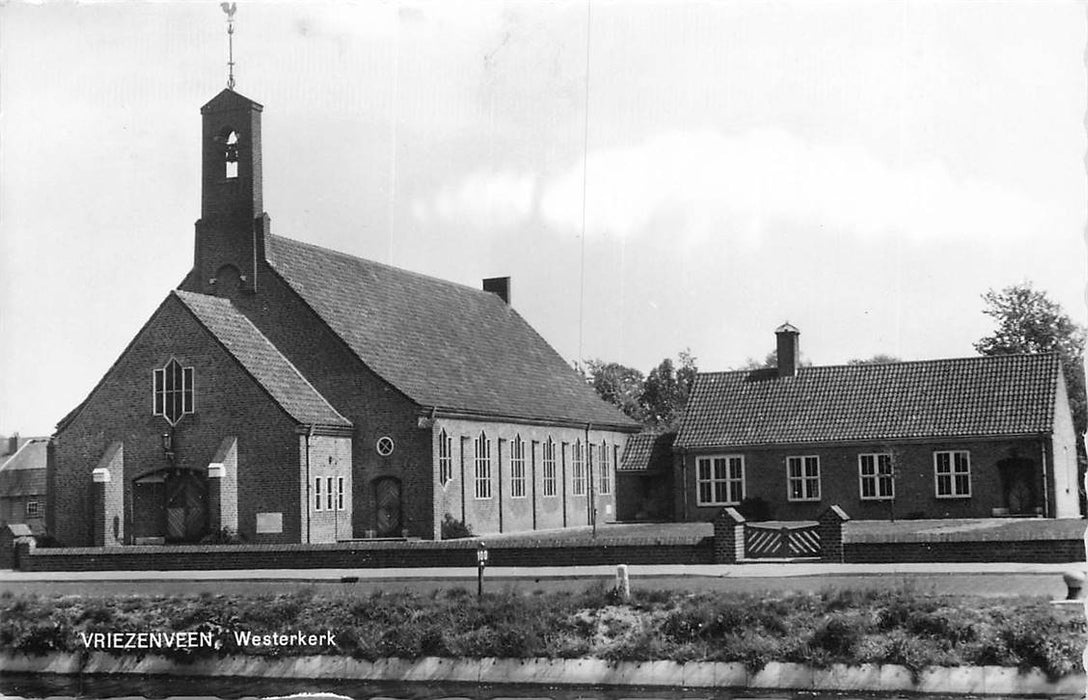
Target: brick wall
x=505, y=512
x=765, y=477
x=374, y=407
x=227, y=402
x=363, y=555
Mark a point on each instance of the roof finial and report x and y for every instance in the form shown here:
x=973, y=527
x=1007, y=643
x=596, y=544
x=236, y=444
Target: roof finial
x=229, y=8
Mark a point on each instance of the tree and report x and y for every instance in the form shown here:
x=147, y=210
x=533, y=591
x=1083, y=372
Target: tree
x=666, y=391
x=878, y=359
x=617, y=384
x=1029, y=322
x=657, y=400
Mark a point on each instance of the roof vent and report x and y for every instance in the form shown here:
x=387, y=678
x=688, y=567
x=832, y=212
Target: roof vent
x=499, y=286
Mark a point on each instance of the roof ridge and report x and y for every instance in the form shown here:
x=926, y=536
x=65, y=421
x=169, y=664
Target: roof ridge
x=899, y=363
x=387, y=266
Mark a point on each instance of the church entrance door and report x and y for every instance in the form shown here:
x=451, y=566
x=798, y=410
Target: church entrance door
x=387, y=499
x=171, y=505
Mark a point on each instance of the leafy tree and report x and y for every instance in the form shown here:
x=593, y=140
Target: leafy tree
x=666, y=391
x=656, y=400
x=1029, y=322
x=617, y=384
x=878, y=359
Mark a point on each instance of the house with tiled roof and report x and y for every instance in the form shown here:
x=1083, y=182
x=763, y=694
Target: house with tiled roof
x=644, y=478
x=289, y=393
x=957, y=438
x=22, y=481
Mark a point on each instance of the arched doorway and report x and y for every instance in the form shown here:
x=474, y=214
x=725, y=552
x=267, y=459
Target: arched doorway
x=387, y=506
x=170, y=504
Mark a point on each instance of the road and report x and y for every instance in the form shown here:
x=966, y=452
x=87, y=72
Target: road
x=988, y=583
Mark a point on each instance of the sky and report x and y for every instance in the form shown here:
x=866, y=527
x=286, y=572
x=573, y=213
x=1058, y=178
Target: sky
x=654, y=176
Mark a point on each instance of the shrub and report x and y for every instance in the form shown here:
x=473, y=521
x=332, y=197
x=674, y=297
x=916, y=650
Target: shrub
x=453, y=529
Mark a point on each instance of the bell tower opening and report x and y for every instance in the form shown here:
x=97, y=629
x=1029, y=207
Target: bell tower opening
x=233, y=225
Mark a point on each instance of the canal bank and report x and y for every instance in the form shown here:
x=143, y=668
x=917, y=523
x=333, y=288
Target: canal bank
x=879, y=678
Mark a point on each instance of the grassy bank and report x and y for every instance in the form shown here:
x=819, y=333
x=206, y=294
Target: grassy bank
x=895, y=626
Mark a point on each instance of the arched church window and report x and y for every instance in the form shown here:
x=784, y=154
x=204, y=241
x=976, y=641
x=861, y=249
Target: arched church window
x=173, y=389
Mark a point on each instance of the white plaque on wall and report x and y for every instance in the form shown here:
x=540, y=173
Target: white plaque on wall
x=269, y=523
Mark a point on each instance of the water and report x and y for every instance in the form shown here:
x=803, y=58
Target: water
x=61, y=687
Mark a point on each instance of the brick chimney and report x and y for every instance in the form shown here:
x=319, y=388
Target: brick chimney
x=788, y=349
x=13, y=444
x=499, y=286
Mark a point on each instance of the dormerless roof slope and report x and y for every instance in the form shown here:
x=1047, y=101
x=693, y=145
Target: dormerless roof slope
x=23, y=473
x=968, y=397
x=442, y=344
x=262, y=360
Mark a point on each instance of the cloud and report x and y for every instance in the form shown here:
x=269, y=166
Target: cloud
x=711, y=183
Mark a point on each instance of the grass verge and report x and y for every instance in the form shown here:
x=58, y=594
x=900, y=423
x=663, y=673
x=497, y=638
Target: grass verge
x=899, y=626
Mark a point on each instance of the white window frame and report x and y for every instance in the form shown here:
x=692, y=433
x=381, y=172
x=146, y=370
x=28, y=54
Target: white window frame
x=878, y=476
x=328, y=493
x=186, y=394
x=952, y=472
x=317, y=493
x=445, y=458
x=714, y=483
x=482, y=463
x=549, y=471
x=34, y=512
x=340, y=493
x=803, y=479
x=517, y=468
x=606, y=471
x=577, y=470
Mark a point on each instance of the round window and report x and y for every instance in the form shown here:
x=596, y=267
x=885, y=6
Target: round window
x=385, y=446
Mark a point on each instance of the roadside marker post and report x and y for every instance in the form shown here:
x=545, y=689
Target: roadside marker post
x=481, y=562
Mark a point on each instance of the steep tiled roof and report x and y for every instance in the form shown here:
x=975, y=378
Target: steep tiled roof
x=648, y=452
x=23, y=473
x=262, y=360
x=978, y=396
x=442, y=344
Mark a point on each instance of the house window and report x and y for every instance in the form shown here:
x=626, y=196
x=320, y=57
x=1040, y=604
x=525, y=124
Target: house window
x=339, y=493
x=483, y=466
x=317, y=493
x=173, y=391
x=578, y=470
x=875, y=477
x=328, y=493
x=952, y=474
x=803, y=478
x=517, y=468
x=549, y=468
x=720, y=480
x=445, y=458
x=606, y=471
x=33, y=509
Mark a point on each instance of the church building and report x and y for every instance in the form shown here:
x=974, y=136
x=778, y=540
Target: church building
x=289, y=393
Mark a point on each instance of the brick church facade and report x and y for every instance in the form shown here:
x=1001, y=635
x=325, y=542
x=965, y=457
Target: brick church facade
x=294, y=394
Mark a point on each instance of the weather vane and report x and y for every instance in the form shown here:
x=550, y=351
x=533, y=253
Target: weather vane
x=229, y=8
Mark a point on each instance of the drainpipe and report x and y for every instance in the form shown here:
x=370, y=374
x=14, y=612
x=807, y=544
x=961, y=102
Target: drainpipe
x=309, y=436
x=591, y=504
x=684, y=482
x=499, y=442
x=1046, y=481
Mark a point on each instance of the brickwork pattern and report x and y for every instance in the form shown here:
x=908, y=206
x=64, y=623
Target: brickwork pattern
x=915, y=496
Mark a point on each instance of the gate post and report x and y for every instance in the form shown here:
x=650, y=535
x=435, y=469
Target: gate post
x=831, y=526
x=728, y=537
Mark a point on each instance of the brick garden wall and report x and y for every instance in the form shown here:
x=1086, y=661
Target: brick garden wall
x=375, y=555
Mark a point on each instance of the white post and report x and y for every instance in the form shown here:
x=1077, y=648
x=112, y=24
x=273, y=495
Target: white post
x=623, y=582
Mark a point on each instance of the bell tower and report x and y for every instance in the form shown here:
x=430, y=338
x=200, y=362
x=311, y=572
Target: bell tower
x=232, y=227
